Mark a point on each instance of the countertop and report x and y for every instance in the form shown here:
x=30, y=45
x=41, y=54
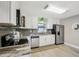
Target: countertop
x=38, y=34
x=15, y=51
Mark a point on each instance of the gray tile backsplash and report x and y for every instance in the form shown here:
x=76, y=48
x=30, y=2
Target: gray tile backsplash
x=33, y=31
x=26, y=32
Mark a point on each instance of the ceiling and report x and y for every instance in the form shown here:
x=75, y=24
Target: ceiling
x=35, y=8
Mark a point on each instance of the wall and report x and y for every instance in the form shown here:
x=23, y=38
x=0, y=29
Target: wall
x=33, y=10
x=71, y=36
x=32, y=21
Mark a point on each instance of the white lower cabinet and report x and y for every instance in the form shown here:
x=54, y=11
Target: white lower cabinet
x=46, y=40
x=52, y=41
x=42, y=41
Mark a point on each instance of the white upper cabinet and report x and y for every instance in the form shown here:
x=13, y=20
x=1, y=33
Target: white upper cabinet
x=4, y=12
x=8, y=12
x=35, y=23
x=28, y=22
x=31, y=22
x=14, y=5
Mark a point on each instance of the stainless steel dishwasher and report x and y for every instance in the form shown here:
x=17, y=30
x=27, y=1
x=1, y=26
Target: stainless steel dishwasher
x=34, y=41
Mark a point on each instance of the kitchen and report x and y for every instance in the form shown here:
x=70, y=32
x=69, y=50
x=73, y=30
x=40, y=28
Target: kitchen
x=26, y=26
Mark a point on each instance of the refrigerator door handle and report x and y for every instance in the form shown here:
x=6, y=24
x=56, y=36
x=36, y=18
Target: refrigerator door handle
x=58, y=33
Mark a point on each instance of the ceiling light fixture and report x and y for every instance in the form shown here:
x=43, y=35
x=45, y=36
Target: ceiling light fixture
x=55, y=9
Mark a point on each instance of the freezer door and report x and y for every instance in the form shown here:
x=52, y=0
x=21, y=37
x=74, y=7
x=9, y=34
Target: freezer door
x=62, y=34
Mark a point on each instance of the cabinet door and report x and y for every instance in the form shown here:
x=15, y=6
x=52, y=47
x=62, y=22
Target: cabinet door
x=47, y=41
x=42, y=41
x=52, y=41
x=34, y=23
x=8, y=12
x=14, y=6
x=28, y=23
x=4, y=12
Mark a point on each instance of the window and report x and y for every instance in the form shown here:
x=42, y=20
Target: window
x=41, y=25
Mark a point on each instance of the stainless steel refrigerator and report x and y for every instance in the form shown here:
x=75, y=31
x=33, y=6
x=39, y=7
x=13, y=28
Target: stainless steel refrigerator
x=59, y=33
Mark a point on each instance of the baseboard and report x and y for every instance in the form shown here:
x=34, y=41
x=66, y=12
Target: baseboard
x=71, y=45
